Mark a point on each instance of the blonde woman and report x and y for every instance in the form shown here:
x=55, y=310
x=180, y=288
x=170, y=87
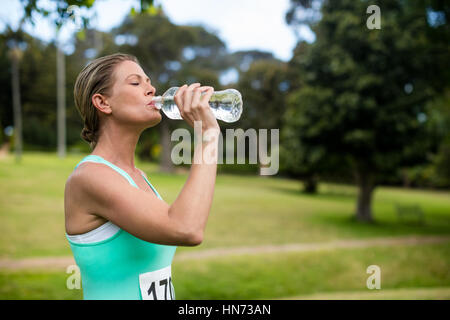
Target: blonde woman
x=123, y=235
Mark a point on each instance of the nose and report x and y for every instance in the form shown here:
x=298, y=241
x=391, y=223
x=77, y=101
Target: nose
x=150, y=90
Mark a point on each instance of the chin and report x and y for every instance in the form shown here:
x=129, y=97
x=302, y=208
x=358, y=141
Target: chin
x=154, y=121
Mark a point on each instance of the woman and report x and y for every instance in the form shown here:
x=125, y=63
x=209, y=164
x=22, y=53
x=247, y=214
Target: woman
x=122, y=233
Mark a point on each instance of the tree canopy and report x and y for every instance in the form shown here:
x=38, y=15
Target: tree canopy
x=362, y=93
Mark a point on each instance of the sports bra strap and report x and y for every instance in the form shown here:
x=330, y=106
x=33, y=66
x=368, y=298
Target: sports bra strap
x=98, y=159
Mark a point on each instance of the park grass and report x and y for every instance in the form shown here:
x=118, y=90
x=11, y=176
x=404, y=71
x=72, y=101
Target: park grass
x=434, y=293
x=247, y=210
x=409, y=272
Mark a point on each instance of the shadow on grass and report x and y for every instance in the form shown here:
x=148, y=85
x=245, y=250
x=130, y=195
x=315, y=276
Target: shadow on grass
x=328, y=194
x=381, y=226
x=386, y=221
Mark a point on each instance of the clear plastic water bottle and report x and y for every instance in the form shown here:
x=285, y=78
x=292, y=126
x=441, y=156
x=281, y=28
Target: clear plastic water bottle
x=226, y=105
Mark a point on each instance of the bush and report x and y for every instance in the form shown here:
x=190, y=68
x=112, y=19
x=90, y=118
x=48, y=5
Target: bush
x=246, y=169
x=80, y=147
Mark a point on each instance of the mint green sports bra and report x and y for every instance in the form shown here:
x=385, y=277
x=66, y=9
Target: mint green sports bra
x=124, y=267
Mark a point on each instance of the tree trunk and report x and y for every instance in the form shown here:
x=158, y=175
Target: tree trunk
x=310, y=185
x=364, y=206
x=406, y=180
x=166, y=164
x=61, y=101
x=15, y=58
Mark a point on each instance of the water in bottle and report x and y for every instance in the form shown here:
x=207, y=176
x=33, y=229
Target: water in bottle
x=226, y=105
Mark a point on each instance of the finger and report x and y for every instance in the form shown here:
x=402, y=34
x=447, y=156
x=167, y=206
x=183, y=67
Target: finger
x=181, y=90
x=178, y=98
x=194, y=85
x=187, y=98
x=208, y=94
x=197, y=94
x=187, y=101
x=204, y=89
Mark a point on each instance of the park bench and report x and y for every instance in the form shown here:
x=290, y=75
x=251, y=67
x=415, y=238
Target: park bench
x=410, y=213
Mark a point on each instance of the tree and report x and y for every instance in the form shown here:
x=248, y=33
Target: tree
x=63, y=12
x=263, y=85
x=15, y=43
x=298, y=160
x=365, y=91
x=305, y=161
x=439, y=116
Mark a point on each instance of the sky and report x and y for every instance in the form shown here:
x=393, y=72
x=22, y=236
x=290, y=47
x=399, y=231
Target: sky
x=241, y=24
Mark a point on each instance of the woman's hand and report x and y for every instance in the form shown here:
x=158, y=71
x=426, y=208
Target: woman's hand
x=194, y=106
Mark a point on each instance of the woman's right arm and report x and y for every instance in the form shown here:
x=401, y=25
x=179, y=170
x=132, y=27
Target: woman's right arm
x=105, y=193
x=146, y=216
x=193, y=204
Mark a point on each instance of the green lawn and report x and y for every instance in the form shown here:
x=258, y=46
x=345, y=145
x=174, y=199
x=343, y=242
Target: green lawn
x=272, y=276
x=247, y=210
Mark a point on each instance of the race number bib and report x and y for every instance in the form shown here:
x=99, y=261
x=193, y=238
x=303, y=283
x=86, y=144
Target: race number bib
x=157, y=285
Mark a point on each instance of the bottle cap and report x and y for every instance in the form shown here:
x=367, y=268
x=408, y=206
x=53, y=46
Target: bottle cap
x=158, y=102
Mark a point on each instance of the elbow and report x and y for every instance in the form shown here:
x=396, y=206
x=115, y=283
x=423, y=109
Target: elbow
x=186, y=234
x=194, y=239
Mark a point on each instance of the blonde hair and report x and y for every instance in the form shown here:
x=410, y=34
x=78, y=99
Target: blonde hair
x=96, y=77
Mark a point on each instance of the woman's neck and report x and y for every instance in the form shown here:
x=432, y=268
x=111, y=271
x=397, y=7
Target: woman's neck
x=118, y=145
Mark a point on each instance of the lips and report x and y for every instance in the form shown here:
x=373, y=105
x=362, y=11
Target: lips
x=152, y=104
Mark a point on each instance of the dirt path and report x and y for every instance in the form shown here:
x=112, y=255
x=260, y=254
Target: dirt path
x=434, y=293
x=61, y=263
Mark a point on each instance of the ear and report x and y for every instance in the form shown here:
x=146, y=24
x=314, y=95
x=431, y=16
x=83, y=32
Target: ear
x=101, y=103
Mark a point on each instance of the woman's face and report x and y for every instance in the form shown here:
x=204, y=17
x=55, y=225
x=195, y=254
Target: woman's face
x=131, y=95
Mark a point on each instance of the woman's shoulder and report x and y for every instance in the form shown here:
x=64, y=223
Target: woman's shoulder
x=83, y=171
x=79, y=199
x=78, y=182
x=91, y=174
